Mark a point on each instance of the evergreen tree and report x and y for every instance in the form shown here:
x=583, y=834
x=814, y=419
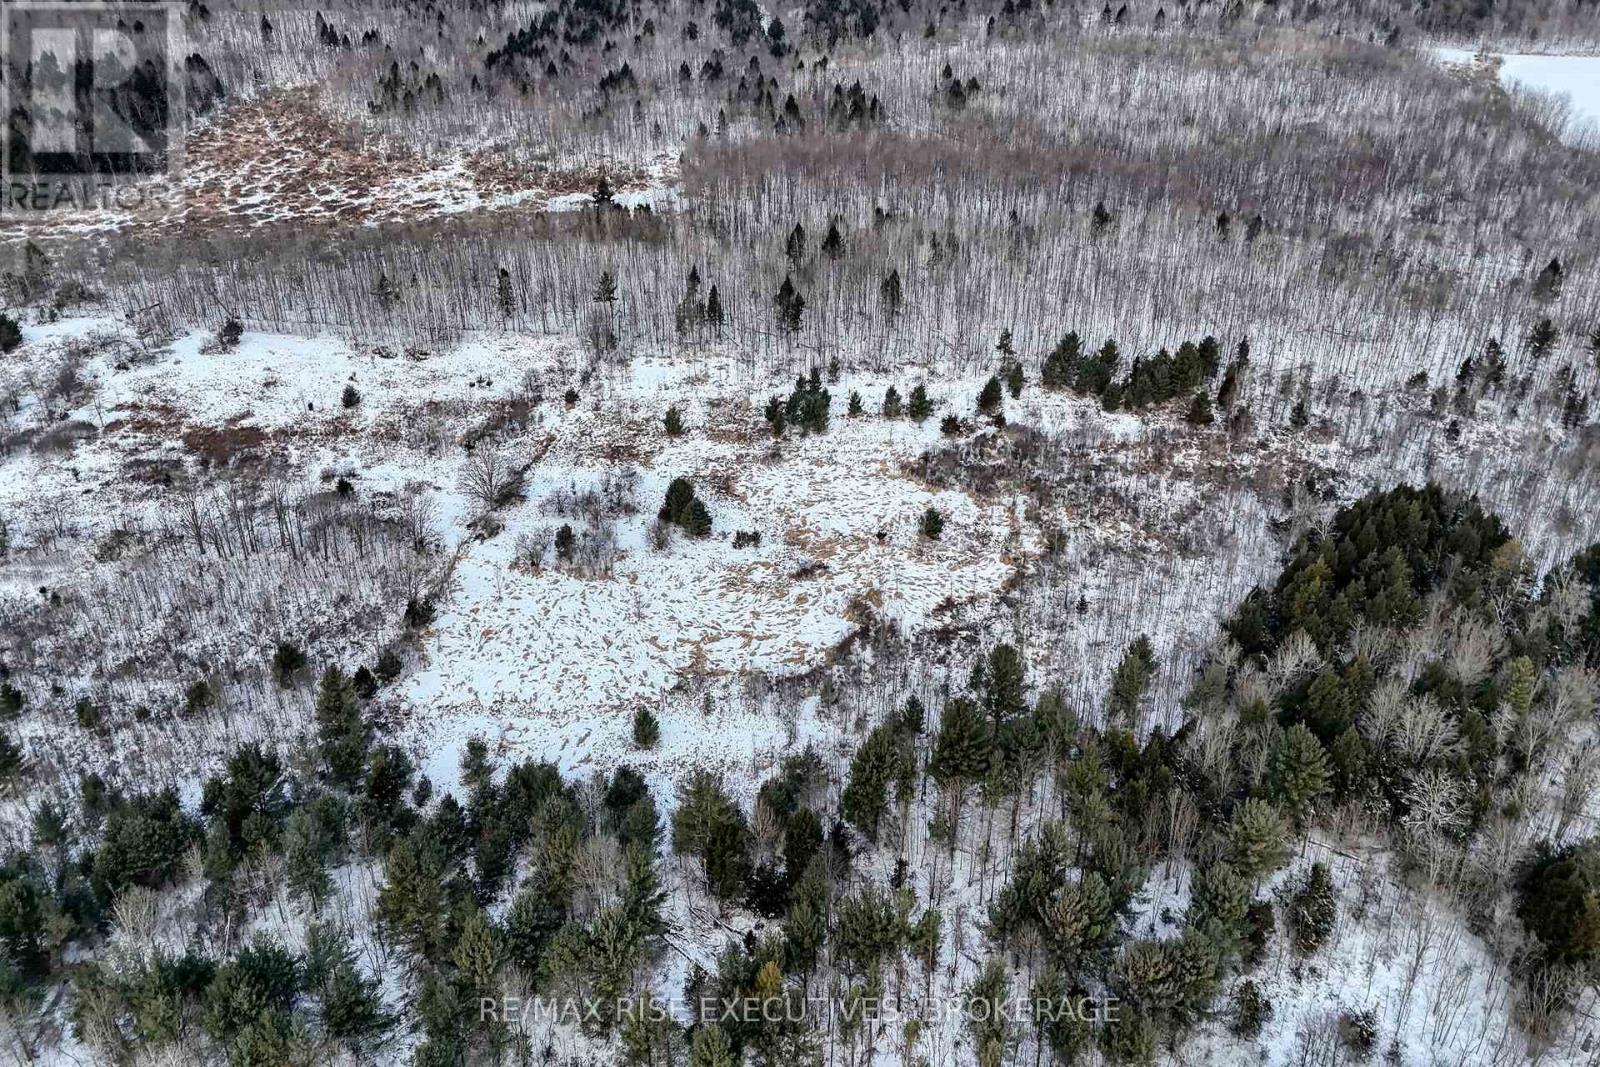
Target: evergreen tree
x=1015, y=379
x=674, y=422
x=1100, y=219
x=833, y=243
x=1200, y=410
x=10, y=333
x=341, y=728
x=675, y=508
x=711, y=1048
x=990, y=397
x=794, y=248
x=646, y=730
x=1256, y=839
x=714, y=310
x=891, y=403
x=919, y=406
x=856, y=407
x=1060, y=368
x=1299, y=772
x=504, y=295
x=961, y=753
x=932, y=524
x=1547, y=286
x=885, y=758
x=1129, y=681
x=605, y=291
x=890, y=296
x=1312, y=910
x=789, y=306
x=1542, y=338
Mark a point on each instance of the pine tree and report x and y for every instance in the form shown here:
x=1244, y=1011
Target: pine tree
x=1299, y=417
x=856, y=406
x=385, y=292
x=1299, y=772
x=604, y=196
x=674, y=422
x=341, y=731
x=891, y=403
x=885, y=758
x=794, y=248
x=1521, y=681
x=711, y=1047
x=1312, y=910
x=1256, y=839
x=1129, y=682
x=1494, y=360
x=1200, y=410
x=961, y=753
x=932, y=524
x=605, y=291
x=11, y=763
x=478, y=954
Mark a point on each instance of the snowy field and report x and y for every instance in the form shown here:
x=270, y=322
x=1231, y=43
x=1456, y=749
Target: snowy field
x=1574, y=78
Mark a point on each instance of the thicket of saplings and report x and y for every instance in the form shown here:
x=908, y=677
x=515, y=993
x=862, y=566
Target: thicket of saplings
x=1404, y=675
x=1153, y=214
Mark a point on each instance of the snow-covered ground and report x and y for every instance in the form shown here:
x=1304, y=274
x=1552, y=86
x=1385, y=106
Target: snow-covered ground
x=1575, y=78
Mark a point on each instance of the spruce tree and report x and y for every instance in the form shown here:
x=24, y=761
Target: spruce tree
x=1547, y=286
x=1542, y=338
x=932, y=524
x=990, y=397
x=1060, y=368
x=646, y=730
x=714, y=310
x=10, y=333
x=918, y=406
x=833, y=243
x=891, y=403
x=504, y=295
x=890, y=296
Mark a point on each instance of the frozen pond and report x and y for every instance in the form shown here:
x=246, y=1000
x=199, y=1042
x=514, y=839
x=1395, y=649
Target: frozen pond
x=1575, y=77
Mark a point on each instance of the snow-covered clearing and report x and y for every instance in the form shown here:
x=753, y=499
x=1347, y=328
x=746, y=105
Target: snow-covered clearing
x=1575, y=78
